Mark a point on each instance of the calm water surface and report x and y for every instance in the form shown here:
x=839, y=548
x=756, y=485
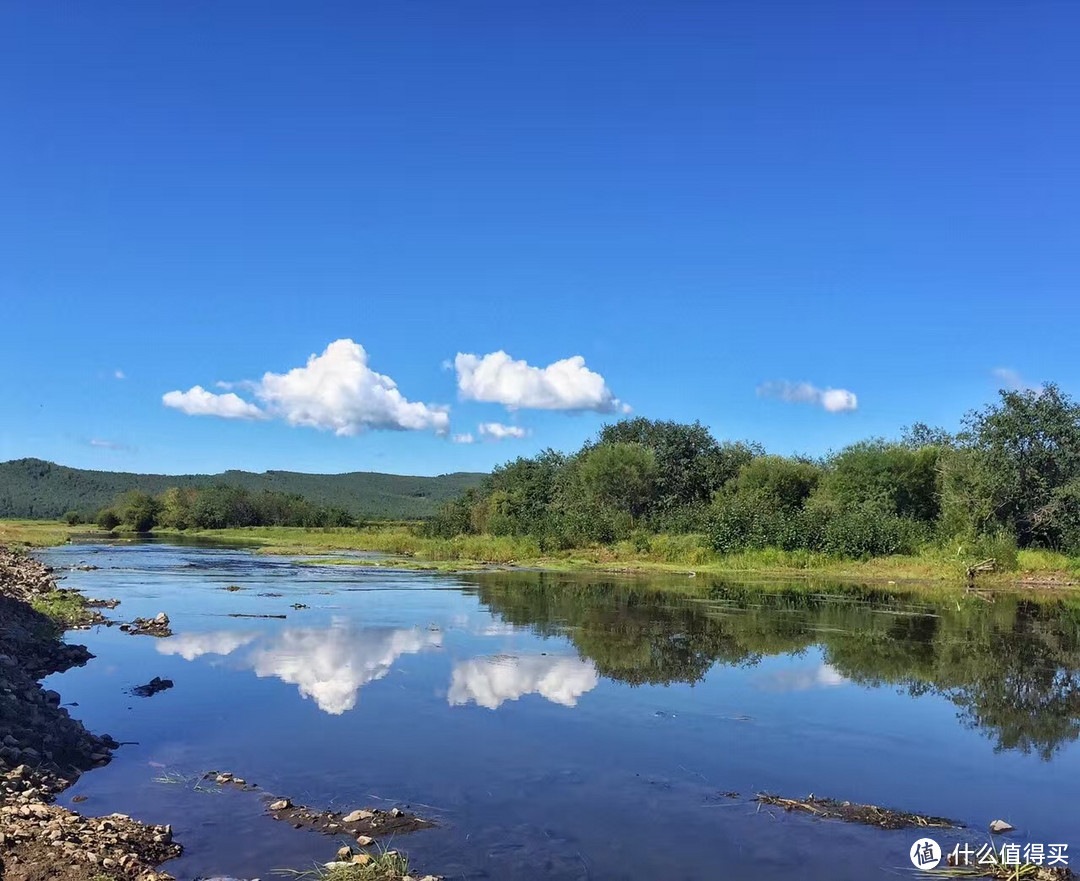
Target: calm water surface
x=569, y=727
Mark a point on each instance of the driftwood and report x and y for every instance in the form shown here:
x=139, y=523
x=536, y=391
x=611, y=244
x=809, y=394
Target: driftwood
x=850, y=812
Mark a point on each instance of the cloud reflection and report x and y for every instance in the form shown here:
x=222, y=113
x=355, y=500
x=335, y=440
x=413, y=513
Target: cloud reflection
x=490, y=682
x=329, y=665
x=190, y=646
x=822, y=676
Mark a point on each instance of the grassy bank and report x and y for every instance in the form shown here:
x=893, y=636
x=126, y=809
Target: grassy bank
x=43, y=533
x=660, y=553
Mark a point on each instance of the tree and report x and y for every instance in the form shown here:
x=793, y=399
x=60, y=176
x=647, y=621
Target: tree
x=1027, y=465
x=898, y=478
x=175, y=506
x=620, y=476
x=690, y=464
x=138, y=510
x=776, y=482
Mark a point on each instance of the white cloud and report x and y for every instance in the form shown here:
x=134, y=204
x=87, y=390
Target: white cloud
x=498, y=431
x=335, y=391
x=465, y=438
x=1012, y=380
x=490, y=682
x=103, y=444
x=565, y=385
x=835, y=400
x=197, y=401
x=119, y=374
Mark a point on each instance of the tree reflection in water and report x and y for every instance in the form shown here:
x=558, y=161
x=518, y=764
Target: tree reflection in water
x=1011, y=666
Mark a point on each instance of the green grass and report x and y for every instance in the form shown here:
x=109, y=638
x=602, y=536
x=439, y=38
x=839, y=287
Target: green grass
x=42, y=533
x=65, y=607
x=388, y=865
x=675, y=554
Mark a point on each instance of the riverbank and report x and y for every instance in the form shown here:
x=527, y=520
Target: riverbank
x=1040, y=571
x=44, y=750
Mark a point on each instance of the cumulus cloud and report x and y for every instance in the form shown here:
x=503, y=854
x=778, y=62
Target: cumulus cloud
x=565, y=385
x=498, y=431
x=197, y=401
x=835, y=400
x=336, y=391
x=490, y=682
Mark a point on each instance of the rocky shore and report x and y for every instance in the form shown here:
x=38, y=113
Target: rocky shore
x=44, y=750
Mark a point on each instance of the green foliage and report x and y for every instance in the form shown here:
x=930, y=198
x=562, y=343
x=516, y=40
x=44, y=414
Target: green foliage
x=1016, y=469
x=898, y=478
x=690, y=464
x=72, y=518
x=137, y=510
x=107, y=518
x=775, y=483
x=218, y=507
x=621, y=476
x=32, y=488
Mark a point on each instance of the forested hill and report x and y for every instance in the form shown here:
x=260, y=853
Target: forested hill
x=38, y=489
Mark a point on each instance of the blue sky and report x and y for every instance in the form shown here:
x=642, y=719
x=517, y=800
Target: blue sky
x=698, y=199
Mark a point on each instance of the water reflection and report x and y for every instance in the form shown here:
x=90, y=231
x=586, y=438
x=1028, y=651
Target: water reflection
x=1011, y=666
x=190, y=646
x=821, y=676
x=490, y=682
x=328, y=665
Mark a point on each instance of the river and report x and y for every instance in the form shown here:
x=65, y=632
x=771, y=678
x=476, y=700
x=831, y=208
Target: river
x=569, y=726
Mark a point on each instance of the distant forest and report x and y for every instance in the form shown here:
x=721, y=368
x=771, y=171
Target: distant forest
x=33, y=488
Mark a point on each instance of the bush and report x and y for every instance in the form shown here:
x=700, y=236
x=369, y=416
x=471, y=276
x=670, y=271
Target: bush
x=108, y=519
x=73, y=518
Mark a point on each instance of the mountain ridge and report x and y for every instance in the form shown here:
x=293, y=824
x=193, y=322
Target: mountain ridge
x=39, y=489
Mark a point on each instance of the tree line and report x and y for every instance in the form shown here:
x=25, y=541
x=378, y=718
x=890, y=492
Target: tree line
x=1010, y=478
x=216, y=507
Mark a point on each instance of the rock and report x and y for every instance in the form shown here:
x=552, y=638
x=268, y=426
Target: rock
x=365, y=840
x=152, y=687
x=396, y=812
x=161, y=618
x=1000, y=827
x=344, y=853
x=357, y=816
x=361, y=859
x=282, y=804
